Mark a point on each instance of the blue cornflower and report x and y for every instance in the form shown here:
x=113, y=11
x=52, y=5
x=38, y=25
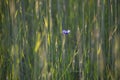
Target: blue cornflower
x=65, y=31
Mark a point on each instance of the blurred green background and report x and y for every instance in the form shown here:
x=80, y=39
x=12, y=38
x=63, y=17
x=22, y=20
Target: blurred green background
x=32, y=46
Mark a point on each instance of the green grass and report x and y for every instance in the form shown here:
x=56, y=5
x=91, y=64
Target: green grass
x=32, y=46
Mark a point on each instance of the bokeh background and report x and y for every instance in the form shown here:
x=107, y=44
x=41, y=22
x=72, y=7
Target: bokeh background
x=32, y=46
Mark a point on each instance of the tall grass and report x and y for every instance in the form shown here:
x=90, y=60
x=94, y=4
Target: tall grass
x=32, y=46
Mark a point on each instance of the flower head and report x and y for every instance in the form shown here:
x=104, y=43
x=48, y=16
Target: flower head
x=66, y=31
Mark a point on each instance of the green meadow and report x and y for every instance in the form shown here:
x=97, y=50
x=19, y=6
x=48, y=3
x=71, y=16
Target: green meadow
x=34, y=47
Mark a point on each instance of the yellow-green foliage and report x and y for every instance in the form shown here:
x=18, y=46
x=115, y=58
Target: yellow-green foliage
x=33, y=46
